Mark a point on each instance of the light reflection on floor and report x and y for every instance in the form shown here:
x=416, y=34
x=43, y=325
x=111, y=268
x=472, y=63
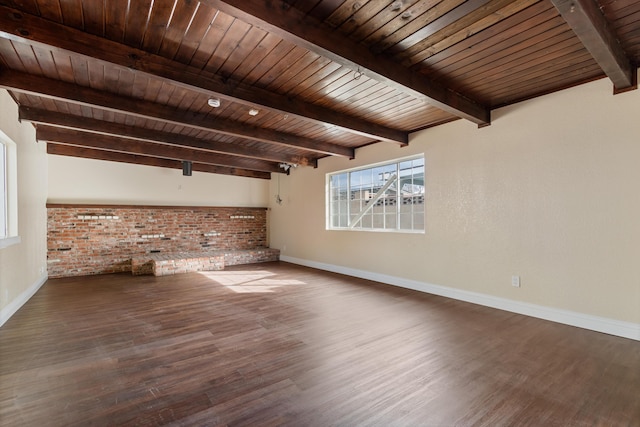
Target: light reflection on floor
x=250, y=281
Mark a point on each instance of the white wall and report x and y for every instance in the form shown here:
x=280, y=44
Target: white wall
x=23, y=265
x=75, y=180
x=548, y=192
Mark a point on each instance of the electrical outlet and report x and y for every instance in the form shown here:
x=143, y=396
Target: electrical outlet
x=515, y=281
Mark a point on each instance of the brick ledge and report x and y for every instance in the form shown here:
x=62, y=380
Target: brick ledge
x=169, y=263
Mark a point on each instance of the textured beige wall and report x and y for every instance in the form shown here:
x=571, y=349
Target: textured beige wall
x=74, y=180
x=549, y=192
x=23, y=266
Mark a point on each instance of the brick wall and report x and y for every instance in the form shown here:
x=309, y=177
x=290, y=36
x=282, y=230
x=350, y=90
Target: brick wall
x=90, y=239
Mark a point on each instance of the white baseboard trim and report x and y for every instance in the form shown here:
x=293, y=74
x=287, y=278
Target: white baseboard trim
x=10, y=309
x=599, y=324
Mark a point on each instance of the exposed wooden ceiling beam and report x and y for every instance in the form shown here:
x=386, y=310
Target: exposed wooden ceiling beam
x=89, y=153
x=25, y=28
x=590, y=25
x=58, y=90
x=68, y=121
x=293, y=25
x=149, y=149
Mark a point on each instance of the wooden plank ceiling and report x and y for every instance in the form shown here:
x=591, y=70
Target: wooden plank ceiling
x=131, y=80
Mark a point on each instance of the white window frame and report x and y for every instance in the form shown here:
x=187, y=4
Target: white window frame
x=8, y=192
x=392, y=180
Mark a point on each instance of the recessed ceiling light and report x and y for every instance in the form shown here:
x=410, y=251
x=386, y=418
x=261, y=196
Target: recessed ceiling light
x=396, y=6
x=408, y=14
x=253, y=112
x=214, y=102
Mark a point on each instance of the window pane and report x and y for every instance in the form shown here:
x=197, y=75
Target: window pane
x=3, y=192
x=376, y=197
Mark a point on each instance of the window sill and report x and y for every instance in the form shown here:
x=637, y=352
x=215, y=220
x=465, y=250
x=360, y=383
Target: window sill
x=9, y=241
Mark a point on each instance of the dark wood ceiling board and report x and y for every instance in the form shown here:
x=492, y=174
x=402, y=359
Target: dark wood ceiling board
x=64, y=67
x=71, y=11
x=271, y=60
x=93, y=18
x=49, y=10
x=575, y=75
x=395, y=23
x=188, y=102
x=129, y=146
x=541, y=77
x=44, y=57
x=510, y=9
x=521, y=21
x=566, y=46
x=156, y=27
x=470, y=13
x=96, y=75
x=364, y=99
x=29, y=6
x=9, y=55
x=88, y=153
x=195, y=34
x=136, y=22
x=27, y=58
x=51, y=104
x=629, y=31
x=325, y=8
x=282, y=66
x=540, y=37
x=378, y=103
x=526, y=73
x=354, y=94
x=370, y=101
x=214, y=33
x=297, y=72
x=383, y=22
x=361, y=17
x=115, y=14
x=433, y=117
x=145, y=87
x=357, y=92
x=409, y=119
x=630, y=40
x=124, y=83
x=344, y=12
x=468, y=76
x=231, y=38
x=389, y=107
x=616, y=11
x=178, y=30
x=243, y=50
x=625, y=16
x=426, y=15
x=322, y=89
x=315, y=73
x=303, y=5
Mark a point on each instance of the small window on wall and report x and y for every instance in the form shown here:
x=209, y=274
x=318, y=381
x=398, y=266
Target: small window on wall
x=8, y=192
x=382, y=197
x=4, y=226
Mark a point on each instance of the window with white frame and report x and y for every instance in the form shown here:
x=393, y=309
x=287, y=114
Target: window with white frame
x=8, y=192
x=4, y=223
x=381, y=197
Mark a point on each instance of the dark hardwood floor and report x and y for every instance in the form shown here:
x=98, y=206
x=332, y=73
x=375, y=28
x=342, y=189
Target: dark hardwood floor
x=278, y=344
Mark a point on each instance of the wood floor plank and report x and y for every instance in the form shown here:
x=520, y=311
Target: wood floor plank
x=277, y=344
